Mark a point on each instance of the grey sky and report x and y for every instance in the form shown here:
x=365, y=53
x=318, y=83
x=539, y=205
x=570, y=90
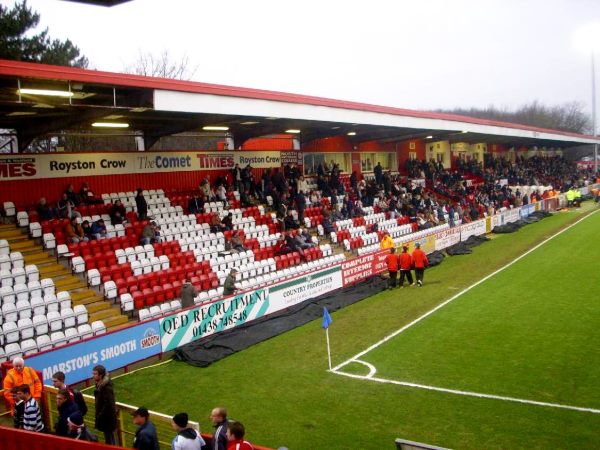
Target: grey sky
x=413, y=54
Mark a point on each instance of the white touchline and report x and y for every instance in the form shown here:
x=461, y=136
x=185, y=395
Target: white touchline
x=467, y=393
x=454, y=297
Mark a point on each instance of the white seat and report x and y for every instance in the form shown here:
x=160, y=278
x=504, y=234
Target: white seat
x=58, y=338
x=49, y=240
x=81, y=314
x=13, y=350
x=51, y=302
x=77, y=264
x=40, y=324
x=72, y=335
x=47, y=286
x=25, y=327
x=164, y=262
x=35, y=289
x=156, y=263
x=19, y=276
x=2, y=355
x=144, y=314
x=5, y=264
x=155, y=311
x=136, y=268
x=146, y=265
x=54, y=320
x=98, y=327
x=165, y=308
x=127, y=304
x=68, y=317
x=32, y=272
x=29, y=347
x=9, y=312
x=24, y=309
x=175, y=305
x=64, y=299
x=93, y=277
x=110, y=289
x=43, y=342
x=16, y=258
x=4, y=247
x=7, y=294
x=11, y=332
x=85, y=331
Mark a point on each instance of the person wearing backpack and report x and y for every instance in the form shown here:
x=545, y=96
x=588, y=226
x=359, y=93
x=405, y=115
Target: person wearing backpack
x=58, y=381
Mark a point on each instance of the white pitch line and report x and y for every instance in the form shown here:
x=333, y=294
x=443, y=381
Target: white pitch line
x=468, y=393
x=454, y=297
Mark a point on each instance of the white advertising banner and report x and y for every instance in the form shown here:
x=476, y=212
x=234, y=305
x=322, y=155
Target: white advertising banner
x=476, y=228
x=309, y=286
x=446, y=238
x=59, y=165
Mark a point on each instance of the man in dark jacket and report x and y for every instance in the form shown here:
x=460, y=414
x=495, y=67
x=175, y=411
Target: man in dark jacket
x=66, y=407
x=106, y=409
x=145, y=436
x=187, y=294
x=142, y=206
x=229, y=286
x=78, y=430
x=218, y=417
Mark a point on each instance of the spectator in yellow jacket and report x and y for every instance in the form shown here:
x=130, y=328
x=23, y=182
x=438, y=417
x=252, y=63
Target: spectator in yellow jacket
x=387, y=242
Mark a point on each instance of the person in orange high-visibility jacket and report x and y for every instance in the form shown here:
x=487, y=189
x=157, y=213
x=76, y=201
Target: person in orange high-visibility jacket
x=17, y=376
x=406, y=263
x=420, y=261
x=392, y=264
x=386, y=242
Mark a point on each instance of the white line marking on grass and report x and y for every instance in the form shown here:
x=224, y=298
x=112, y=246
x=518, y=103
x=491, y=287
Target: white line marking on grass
x=454, y=297
x=372, y=369
x=467, y=393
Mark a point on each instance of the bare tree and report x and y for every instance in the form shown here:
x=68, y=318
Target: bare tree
x=161, y=65
x=569, y=116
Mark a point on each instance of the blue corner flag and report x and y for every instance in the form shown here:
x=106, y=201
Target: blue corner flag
x=326, y=318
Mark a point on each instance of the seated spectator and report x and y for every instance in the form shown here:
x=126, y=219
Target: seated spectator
x=65, y=208
x=281, y=247
x=195, y=204
x=236, y=242
x=235, y=437
x=229, y=286
x=87, y=196
x=117, y=213
x=215, y=225
x=327, y=226
x=87, y=230
x=43, y=209
x=74, y=232
x=227, y=222
x=290, y=223
x=149, y=234
x=293, y=244
x=315, y=198
x=304, y=238
x=99, y=229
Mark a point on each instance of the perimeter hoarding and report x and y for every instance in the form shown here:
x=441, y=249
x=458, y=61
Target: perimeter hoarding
x=362, y=267
x=112, y=350
x=59, y=165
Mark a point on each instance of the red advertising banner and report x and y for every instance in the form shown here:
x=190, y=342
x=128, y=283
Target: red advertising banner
x=363, y=267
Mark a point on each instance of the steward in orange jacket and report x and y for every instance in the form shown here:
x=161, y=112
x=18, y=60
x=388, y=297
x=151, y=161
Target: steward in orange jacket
x=392, y=264
x=420, y=262
x=406, y=263
x=19, y=375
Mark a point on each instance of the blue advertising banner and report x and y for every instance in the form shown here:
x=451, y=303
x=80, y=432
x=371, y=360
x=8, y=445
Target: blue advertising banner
x=527, y=209
x=113, y=351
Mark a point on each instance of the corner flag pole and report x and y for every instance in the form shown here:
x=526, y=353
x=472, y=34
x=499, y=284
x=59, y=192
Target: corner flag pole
x=326, y=322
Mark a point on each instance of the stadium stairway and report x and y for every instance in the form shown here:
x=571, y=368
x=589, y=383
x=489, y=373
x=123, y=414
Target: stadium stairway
x=33, y=253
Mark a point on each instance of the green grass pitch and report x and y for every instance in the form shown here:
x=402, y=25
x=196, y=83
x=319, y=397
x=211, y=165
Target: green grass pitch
x=530, y=332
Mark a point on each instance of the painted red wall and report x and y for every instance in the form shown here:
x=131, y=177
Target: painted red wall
x=330, y=144
x=404, y=149
x=275, y=142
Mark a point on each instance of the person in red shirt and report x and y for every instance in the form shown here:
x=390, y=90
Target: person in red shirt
x=235, y=437
x=406, y=263
x=392, y=265
x=420, y=261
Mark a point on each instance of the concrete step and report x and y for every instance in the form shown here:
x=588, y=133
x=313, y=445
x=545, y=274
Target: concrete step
x=116, y=322
x=10, y=232
x=97, y=306
x=83, y=295
x=68, y=283
x=23, y=245
x=103, y=314
x=37, y=256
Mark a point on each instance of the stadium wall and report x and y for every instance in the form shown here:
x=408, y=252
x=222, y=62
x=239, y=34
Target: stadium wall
x=119, y=349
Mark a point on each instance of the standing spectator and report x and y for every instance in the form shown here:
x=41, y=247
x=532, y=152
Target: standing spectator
x=218, y=417
x=106, y=412
x=78, y=430
x=187, y=294
x=421, y=262
x=187, y=438
x=236, y=175
x=58, y=381
x=378, y=171
x=72, y=195
x=229, y=286
x=141, y=205
x=65, y=208
x=301, y=206
x=392, y=264
x=87, y=196
x=235, y=437
x=19, y=410
x=32, y=415
x=406, y=263
x=195, y=204
x=145, y=435
x=386, y=241
x=66, y=407
x=17, y=376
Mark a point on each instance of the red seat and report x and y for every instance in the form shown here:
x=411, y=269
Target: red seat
x=138, y=299
x=149, y=299
x=159, y=294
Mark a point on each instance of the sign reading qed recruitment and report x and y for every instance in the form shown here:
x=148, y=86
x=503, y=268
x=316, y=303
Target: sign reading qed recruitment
x=112, y=350
x=59, y=165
